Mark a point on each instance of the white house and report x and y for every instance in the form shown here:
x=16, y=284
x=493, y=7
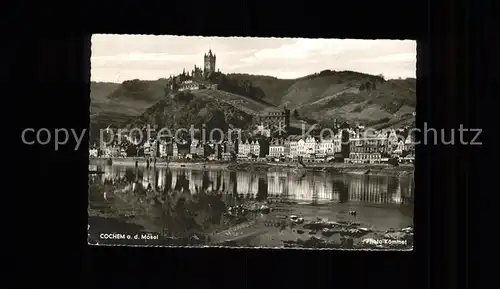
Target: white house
x=255, y=148
x=392, y=141
x=337, y=142
x=301, y=147
x=309, y=146
x=243, y=148
x=175, y=150
x=147, y=149
x=399, y=148
x=197, y=148
x=326, y=147
x=189, y=85
x=93, y=153
x=276, y=149
x=293, y=146
x=409, y=143
x=163, y=149
x=382, y=138
x=193, y=146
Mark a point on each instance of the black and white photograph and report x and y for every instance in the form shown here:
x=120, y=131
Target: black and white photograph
x=268, y=143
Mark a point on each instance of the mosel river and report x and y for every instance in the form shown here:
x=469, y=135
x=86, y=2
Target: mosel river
x=182, y=202
x=307, y=188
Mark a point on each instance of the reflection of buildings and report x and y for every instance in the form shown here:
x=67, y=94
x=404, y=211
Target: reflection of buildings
x=243, y=180
x=253, y=187
x=161, y=179
x=277, y=184
x=281, y=184
x=377, y=189
x=146, y=181
x=195, y=181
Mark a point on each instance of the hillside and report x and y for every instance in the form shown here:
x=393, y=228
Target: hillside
x=392, y=99
x=186, y=109
x=248, y=105
x=274, y=88
x=114, y=103
x=344, y=95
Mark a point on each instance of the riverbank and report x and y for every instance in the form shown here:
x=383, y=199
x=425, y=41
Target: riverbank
x=358, y=169
x=141, y=162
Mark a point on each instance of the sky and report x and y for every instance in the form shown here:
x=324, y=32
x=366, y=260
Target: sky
x=116, y=58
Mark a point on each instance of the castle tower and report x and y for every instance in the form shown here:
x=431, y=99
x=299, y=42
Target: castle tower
x=209, y=63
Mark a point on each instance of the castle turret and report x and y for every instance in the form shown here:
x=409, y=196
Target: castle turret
x=209, y=63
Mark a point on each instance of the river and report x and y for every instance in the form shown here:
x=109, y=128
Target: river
x=381, y=202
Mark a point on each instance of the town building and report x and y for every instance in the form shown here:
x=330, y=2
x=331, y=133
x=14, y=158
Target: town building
x=367, y=148
x=228, y=150
x=93, y=153
x=365, y=158
x=244, y=149
x=409, y=143
x=255, y=148
x=155, y=148
x=286, y=146
x=276, y=148
x=383, y=142
x=183, y=150
x=392, y=141
x=190, y=85
x=197, y=148
x=123, y=153
x=326, y=147
x=163, y=149
x=147, y=149
x=317, y=152
x=307, y=147
x=229, y=147
x=291, y=146
x=226, y=156
x=111, y=151
x=337, y=143
x=214, y=150
x=175, y=150
x=399, y=148
x=364, y=145
x=275, y=119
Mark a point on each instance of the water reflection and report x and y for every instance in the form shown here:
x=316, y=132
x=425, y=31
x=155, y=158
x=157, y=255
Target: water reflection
x=309, y=188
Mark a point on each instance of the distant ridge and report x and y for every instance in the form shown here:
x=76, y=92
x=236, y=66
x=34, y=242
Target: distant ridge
x=324, y=96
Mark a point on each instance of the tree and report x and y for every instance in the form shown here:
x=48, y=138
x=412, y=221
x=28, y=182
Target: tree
x=344, y=125
x=167, y=90
x=184, y=97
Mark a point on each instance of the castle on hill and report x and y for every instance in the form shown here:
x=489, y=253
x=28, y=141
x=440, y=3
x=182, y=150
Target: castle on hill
x=198, y=78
